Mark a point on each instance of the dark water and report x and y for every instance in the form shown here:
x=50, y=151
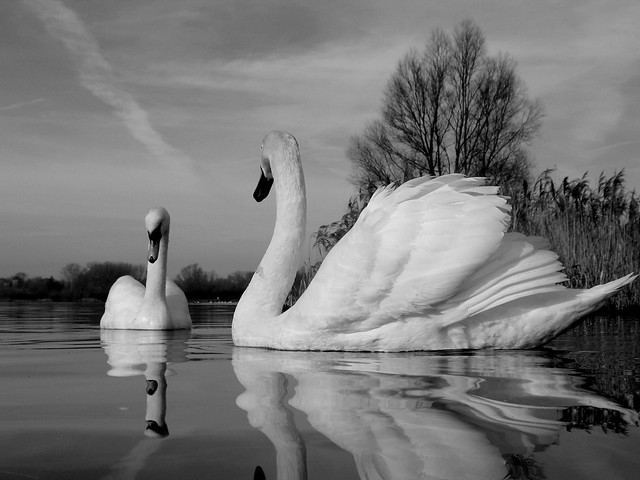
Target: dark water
x=74, y=405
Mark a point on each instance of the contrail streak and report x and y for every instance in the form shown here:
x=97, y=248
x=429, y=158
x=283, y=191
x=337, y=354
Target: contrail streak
x=21, y=104
x=96, y=75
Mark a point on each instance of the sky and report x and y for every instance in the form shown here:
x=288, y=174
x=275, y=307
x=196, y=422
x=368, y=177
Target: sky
x=108, y=108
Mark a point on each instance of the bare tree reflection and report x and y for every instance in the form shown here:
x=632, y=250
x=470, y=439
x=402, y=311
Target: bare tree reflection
x=418, y=416
x=520, y=467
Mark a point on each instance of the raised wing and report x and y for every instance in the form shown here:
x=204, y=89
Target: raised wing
x=411, y=249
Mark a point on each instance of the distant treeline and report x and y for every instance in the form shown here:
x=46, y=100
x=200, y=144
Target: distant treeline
x=93, y=282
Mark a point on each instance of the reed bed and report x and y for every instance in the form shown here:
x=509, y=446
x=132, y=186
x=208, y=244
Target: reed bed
x=594, y=230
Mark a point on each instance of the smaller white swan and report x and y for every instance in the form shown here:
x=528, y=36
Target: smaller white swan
x=159, y=306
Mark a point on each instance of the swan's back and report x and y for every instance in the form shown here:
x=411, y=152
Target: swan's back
x=178, y=306
x=125, y=300
x=123, y=303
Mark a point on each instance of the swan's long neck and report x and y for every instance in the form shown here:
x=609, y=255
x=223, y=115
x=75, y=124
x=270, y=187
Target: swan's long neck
x=157, y=273
x=264, y=297
x=154, y=312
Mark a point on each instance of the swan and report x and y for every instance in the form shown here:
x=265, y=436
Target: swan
x=427, y=266
x=159, y=306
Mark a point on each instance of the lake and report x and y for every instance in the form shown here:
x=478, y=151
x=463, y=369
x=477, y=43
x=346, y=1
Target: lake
x=78, y=403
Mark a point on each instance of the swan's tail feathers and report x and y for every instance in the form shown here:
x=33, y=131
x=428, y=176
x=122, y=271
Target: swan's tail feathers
x=532, y=320
x=600, y=293
x=519, y=290
x=591, y=299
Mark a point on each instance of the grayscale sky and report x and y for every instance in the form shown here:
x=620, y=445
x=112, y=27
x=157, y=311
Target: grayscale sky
x=110, y=107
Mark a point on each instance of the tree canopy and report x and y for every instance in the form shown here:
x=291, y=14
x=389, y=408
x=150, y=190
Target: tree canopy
x=449, y=108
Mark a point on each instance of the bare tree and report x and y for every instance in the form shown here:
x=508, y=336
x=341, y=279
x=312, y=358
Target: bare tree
x=71, y=272
x=193, y=278
x=449, y=108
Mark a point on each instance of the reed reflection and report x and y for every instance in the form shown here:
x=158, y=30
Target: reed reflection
x=146, y=352
x=419, y=416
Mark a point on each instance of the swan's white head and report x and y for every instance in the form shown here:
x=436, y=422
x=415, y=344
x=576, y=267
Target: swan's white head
x=157, y=222
x=275, y=147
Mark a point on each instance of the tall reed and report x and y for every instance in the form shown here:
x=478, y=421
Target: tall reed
x=595, y=231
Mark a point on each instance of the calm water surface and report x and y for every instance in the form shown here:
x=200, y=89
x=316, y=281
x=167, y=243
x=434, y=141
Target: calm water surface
x=78, y=403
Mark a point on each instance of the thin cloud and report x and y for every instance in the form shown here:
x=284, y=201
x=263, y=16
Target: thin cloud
x=617, y=144
x=96, y=75
x=21, y=104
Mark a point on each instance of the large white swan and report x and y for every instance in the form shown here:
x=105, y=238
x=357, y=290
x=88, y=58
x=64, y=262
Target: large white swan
x=159, y=306
x=427, y=266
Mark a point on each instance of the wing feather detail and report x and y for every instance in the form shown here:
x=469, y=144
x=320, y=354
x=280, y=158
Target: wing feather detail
x=410, y=250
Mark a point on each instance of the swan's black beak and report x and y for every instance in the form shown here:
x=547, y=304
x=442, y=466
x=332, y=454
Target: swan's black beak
x=154, y=245
x=156, y=430
x=264, y=186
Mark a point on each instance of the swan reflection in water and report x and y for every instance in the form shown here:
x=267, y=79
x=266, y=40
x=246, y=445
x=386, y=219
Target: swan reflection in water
x=418, y=415
x=146, y=352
